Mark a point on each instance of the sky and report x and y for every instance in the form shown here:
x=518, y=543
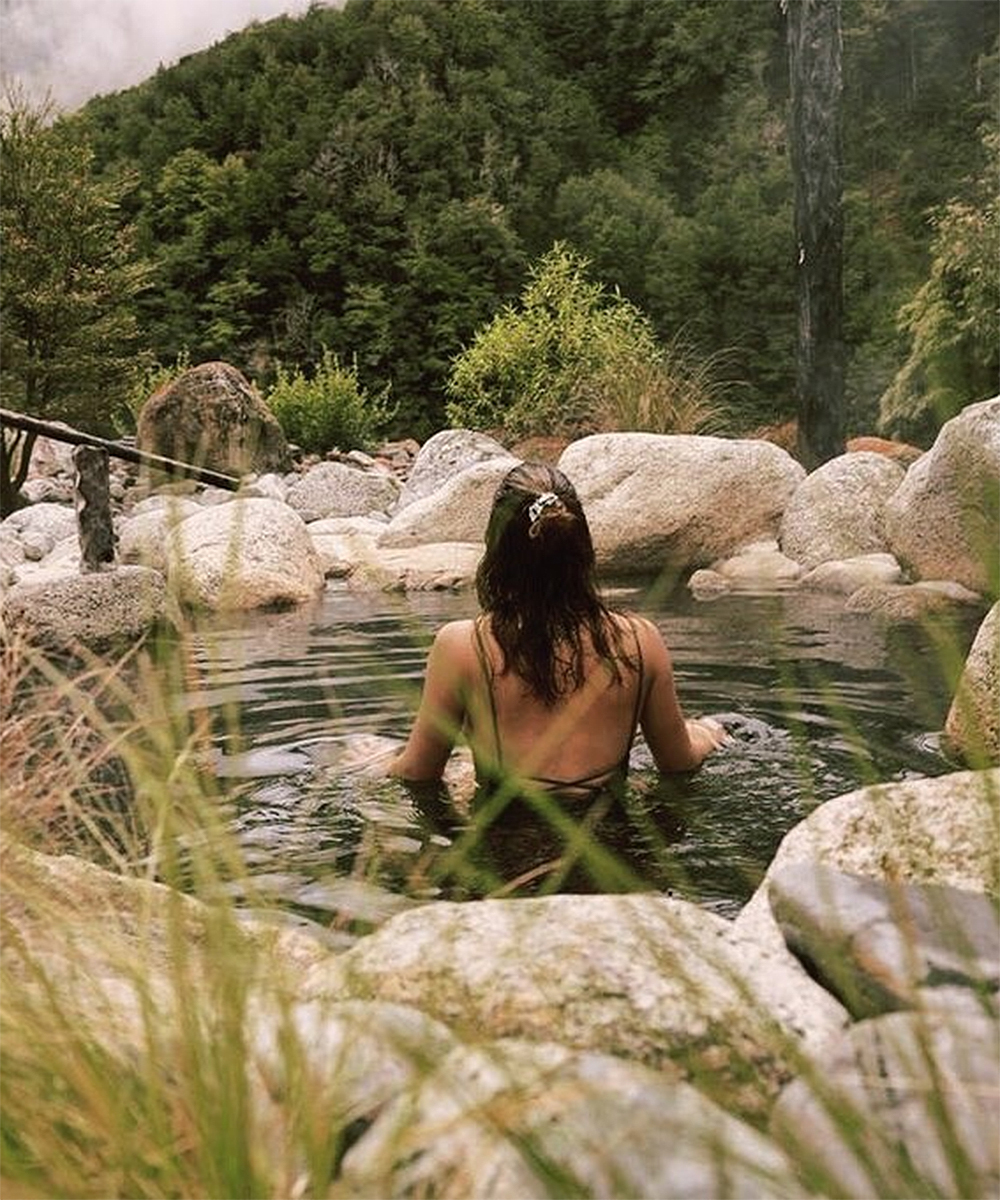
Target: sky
x=75, y=49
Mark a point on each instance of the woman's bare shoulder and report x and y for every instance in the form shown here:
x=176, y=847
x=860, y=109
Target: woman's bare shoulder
x=650, y=638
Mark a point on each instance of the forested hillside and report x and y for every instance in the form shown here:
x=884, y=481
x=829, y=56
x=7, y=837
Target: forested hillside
x=377, y=181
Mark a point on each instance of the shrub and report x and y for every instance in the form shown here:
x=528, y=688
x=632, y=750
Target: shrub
x=328, y=408
x=574, y=359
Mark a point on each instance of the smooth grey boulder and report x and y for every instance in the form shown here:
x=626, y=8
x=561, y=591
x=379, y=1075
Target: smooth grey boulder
x=973, y=722
x=836, y=512
x=336, y=489
x=911, y=602
x=759, y=565
x=145, y=536
x=873, y=944
x=851, y=574
x=511, y=1120
x=437, y=566
x=351, y=1058
x=444, y=455
x=98, y=609
x=343, y=543
x=672, y=502
x=249, y=553
x=943, y=521
x=646, y=977
x=457, y=511
x=56, y=521
x=943, y=830
x=902, y=1105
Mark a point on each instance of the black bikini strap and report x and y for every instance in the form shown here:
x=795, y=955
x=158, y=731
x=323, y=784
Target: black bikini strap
x=487, y=668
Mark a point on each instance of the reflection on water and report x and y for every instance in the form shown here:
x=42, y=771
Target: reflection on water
x=818, y=701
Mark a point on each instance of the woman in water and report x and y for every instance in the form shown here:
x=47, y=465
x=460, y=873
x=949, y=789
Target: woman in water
x=548, y=684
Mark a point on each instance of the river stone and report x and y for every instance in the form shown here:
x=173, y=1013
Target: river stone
x=335, y=489
x=457, y=511
x=942, y=830
x=874, y=944
x=973, y=722
x=676, y=501
x=343, y=543
x=943, y=520
x=144, y=537
x=902, y=1105
x=99, y=609
x=350, y=1058
x=851, y=574
x=212, y=416
x=595, y=1125
x=836, y=512
x=249, y=553
x=910, y=602
x=759, y=565
x=647, y=977
x=442, y=566
x=445, y=455
x=56, y=521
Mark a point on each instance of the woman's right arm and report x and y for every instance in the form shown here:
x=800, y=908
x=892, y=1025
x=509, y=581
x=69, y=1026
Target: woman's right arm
x=677, y=744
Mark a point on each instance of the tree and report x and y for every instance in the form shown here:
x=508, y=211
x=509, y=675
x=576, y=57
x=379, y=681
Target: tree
x=69, y=340
x=814, y=47
x=951, y=322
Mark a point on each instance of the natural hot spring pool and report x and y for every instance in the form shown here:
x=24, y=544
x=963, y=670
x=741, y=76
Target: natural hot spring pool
x=819, y=701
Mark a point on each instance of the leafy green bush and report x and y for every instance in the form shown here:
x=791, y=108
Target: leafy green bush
x=328, y=408
x=574, y=359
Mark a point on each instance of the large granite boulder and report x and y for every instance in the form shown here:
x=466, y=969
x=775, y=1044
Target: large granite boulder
x=879, y=946
x=55, y=521
x=646, y=977
x=249, y=553
x=911, y=601
x=973, y=722
x=336, y=489
x=943, y=830
x=657, y=501
x=943, y=521
x=100, y=609
x=212, y=416
x=457, y=511
x=836, y=512
x=901, y=1105
x=145, y=536
x=599, y=1125
x=434, y=567
x=849, y=575
x=446, y=454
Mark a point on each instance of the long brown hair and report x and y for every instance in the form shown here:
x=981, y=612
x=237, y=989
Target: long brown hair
x=537, y=583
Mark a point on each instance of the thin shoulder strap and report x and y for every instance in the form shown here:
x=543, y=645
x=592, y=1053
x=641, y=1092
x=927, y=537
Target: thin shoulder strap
x=487, y=669
x=640, y=684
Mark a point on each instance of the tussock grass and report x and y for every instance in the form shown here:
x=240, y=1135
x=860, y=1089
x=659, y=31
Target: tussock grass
x=128, y=1013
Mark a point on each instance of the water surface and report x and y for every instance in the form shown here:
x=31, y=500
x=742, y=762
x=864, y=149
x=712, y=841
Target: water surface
x=818, y=701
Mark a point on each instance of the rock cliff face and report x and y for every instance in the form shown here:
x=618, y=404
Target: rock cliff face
x=213, y=417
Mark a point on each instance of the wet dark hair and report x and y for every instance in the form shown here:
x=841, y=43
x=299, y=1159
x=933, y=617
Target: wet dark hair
x=537, y=582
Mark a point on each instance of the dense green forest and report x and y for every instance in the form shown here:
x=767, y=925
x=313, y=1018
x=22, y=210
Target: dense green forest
x=378, y=182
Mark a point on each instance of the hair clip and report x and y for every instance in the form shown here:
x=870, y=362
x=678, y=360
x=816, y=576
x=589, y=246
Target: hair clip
x=537, y=507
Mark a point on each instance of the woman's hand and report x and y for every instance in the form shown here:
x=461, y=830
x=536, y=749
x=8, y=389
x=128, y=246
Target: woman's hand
x=706, y=734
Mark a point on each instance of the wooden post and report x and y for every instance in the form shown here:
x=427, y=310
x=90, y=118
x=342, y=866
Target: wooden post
x=93, y=508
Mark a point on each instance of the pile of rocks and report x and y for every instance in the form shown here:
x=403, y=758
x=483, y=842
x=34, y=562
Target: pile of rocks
x=839, y=1037
x=724, y=514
